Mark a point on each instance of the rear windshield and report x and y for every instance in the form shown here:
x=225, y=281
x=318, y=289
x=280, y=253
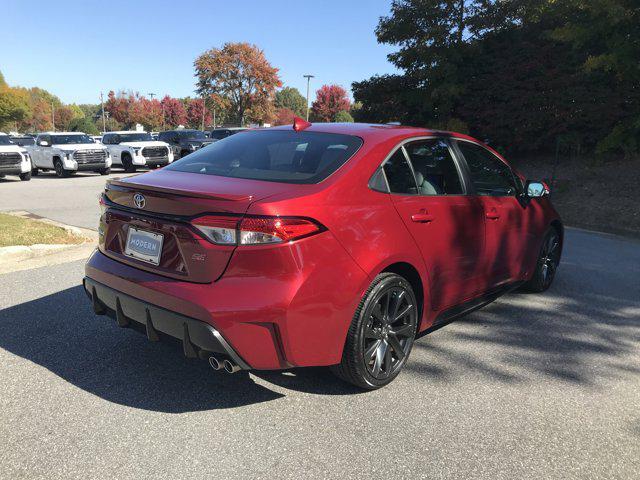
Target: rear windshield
x=273, y=155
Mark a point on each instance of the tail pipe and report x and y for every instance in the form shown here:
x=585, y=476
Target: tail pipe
x=230, y=367
x=216, y=363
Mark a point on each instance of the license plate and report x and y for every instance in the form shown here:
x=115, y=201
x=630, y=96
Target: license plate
x=143, y=245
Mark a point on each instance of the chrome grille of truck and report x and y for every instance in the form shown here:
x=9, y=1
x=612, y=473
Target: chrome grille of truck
x=89, y=156
x=10, y=158
x=155, y=152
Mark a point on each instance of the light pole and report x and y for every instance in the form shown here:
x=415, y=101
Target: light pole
x=104, y=123
x=204, y=104
x=151, y=95
x=308, y=77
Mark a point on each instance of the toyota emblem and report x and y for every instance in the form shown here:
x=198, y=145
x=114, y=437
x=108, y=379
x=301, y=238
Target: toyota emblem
x=139, y=200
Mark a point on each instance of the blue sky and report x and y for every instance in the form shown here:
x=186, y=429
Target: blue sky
x=76, y=49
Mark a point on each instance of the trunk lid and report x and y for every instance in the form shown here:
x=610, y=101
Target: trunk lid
x=170, y=200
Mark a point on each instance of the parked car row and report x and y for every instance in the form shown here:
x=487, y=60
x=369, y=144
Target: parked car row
x=68, y=152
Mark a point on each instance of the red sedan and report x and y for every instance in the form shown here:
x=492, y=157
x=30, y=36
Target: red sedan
x=327, y=244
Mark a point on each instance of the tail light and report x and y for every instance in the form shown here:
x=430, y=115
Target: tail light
x=255, y=230
x=102, y=203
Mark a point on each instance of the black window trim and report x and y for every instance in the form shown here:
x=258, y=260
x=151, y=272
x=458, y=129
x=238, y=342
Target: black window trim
x=465, y=180
x=463, y=161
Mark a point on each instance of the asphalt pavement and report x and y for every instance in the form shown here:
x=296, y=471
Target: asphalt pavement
x=531, y=386
x=72, y=200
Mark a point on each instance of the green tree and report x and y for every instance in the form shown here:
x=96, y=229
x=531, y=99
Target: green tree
x=83, y=125
x=343, y=117
x=14, y=106
x=291, y=99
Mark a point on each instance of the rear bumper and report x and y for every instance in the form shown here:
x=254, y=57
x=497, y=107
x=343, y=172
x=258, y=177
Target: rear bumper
x=196, y=336
x=276, y=306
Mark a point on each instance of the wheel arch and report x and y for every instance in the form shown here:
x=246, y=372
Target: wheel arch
x=411, y=274
x=559, y=227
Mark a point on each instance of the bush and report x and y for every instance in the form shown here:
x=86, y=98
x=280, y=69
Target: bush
x=343, y=117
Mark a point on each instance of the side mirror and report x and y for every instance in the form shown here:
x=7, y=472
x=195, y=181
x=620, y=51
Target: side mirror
x=537, y=189
x=43, y=143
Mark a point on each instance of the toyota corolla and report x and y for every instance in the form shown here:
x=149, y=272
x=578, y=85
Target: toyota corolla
x=319, y=245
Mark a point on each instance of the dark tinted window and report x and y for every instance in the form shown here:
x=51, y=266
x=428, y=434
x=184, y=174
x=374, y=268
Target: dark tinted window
x=70, y=139
x=134, y=137
x=377, y=182
x=192, y=135
x=219, y=134
x=489, y=175
x=434, y=167
x=274, y=155
x=23, y=141
x=5, y=140
x=399, y=175
x=166, y=137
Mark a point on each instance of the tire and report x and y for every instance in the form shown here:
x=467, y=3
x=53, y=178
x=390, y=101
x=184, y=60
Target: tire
x=60, y=171
x=546, y=264
x=127, y=163
x=35, y=172
x=25, y=177
x=104, y=171
x=376, y=350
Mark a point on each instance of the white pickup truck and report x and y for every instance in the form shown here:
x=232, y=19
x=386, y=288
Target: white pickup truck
x=136, y=149
x=14, y=159
x=67, y=153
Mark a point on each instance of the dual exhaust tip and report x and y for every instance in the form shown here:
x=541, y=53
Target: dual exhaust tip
x=228, y=365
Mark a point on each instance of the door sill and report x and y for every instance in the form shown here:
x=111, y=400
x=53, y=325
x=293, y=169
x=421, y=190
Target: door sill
x=457, y=311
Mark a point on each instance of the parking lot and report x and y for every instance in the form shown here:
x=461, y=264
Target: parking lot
x=532, y=386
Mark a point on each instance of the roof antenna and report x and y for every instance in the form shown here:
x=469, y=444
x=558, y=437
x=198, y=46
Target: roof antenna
x=300, y=124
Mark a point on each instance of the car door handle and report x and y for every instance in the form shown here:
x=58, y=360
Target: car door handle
x=422, y=218
x=492, y=215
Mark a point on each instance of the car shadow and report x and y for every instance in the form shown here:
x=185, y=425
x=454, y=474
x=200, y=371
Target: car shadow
x=582, y=331
x=585, y=330
x=61, y=333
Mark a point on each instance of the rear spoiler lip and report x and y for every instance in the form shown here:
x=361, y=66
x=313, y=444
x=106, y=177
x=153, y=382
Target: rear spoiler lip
x=114, y=184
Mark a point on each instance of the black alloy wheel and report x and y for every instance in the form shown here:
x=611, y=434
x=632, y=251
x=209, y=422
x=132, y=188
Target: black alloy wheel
x=127, y=163
x=59, y=168
x=547, y=264
x=381, y=334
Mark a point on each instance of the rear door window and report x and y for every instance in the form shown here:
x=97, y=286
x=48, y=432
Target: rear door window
x=273, y=155
x=399, y=175
x=434, y=167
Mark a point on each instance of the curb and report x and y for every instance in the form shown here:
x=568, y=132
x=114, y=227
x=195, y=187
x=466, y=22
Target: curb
x=21, y=257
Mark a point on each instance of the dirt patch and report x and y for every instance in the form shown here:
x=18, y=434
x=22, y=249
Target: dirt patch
x=603, y=196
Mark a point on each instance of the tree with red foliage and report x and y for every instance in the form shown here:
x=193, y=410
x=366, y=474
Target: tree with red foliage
x=284, y=116
x=118, y=106
x=194, y=113
x=174, y=112
x=330, y=100
x=63, y=117
x=147, y=113
x=239, y=74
